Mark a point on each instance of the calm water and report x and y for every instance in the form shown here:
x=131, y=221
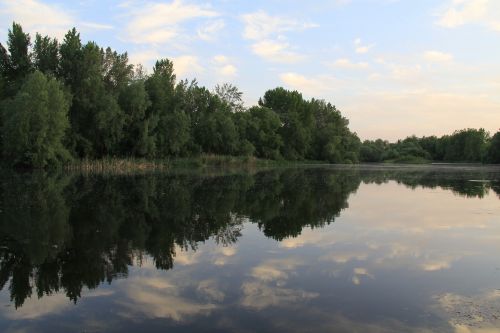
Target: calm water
x=323, y=249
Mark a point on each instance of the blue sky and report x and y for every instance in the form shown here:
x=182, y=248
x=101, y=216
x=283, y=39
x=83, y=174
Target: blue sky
x=393, y=67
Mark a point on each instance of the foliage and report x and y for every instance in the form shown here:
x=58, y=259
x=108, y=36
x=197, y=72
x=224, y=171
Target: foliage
x=34, y=123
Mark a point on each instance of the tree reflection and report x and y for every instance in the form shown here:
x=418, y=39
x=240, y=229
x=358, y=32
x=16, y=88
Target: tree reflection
x=64, y=233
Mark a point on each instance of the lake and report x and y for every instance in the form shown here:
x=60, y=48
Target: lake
x=316, y=249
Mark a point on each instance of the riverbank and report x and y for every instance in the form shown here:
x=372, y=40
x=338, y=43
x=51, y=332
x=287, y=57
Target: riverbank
x=134, y=165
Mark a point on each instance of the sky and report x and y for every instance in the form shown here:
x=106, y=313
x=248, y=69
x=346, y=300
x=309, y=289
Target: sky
x=394, y=68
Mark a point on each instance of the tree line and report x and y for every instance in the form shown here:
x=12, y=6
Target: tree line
x=69, y=99
x=65, y=100
x=468, y=145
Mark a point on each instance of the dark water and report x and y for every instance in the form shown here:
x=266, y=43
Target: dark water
x=363, y=249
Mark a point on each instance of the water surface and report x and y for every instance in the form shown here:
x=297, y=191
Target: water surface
x=321, y=249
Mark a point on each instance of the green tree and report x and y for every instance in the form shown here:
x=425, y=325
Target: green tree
x=138, y=140
x=230, y=95
x=96, y=118
x=18, y=63
x=296, y=118
x=160, y=87
x=117, y=72
x=46, y=54
x=262, y=131
x=493, y=155
x=34, y=123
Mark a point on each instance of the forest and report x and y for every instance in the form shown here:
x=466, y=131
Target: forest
x=61, y=101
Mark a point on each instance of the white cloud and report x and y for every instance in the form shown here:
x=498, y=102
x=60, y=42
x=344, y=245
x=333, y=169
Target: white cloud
x=221, y=59
x=267, y=32
x=276, y=51
x=436, y=56
x=228, y=70
x=146, y=57
x=96, y=26
x=348, y=64
x=260, y=25
x=209, y=31
x=461, y=12
x=223, y=67
x=311, y=86
x=160, y=22
x=360, y=48
x=47, y=19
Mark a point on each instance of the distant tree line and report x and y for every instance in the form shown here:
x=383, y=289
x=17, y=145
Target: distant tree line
x=60, y=101
x=468, y=145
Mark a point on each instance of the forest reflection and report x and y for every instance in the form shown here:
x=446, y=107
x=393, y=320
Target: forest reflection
x=68, y=232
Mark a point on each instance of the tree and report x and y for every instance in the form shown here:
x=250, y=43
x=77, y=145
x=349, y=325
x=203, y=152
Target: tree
x=138, y=139
x=468, y=145
x=262, y=132
x=117, y=71
x=230, y=95
x=296, y=118
x=493, y=155
x=71, y=59
x=96, y=118
x=46, y=54
x=4, y=66
x=160, y=88
x=34, y=123
x=16, y=65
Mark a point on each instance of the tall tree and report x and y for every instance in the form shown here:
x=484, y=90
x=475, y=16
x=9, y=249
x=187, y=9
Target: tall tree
x=160, y=87
x=493, y=155
x=71, y=59
x=296, y=118
x=138, y=139
x=46, y=54
x=34, y=123
x=117, y=71
x=17, y=64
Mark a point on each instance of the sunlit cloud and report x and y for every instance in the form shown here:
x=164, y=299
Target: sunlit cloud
x=260, y=25
x=276, y=51
x=348, y=64
x=209, y=31
x=267, y=32
x=224, y=67
x=436, y=56
x=157, y=22
x=461, y=12
x=47, y=19
x=310, y=85
x=360, y=48
x=187, y=65
x=146, y=57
